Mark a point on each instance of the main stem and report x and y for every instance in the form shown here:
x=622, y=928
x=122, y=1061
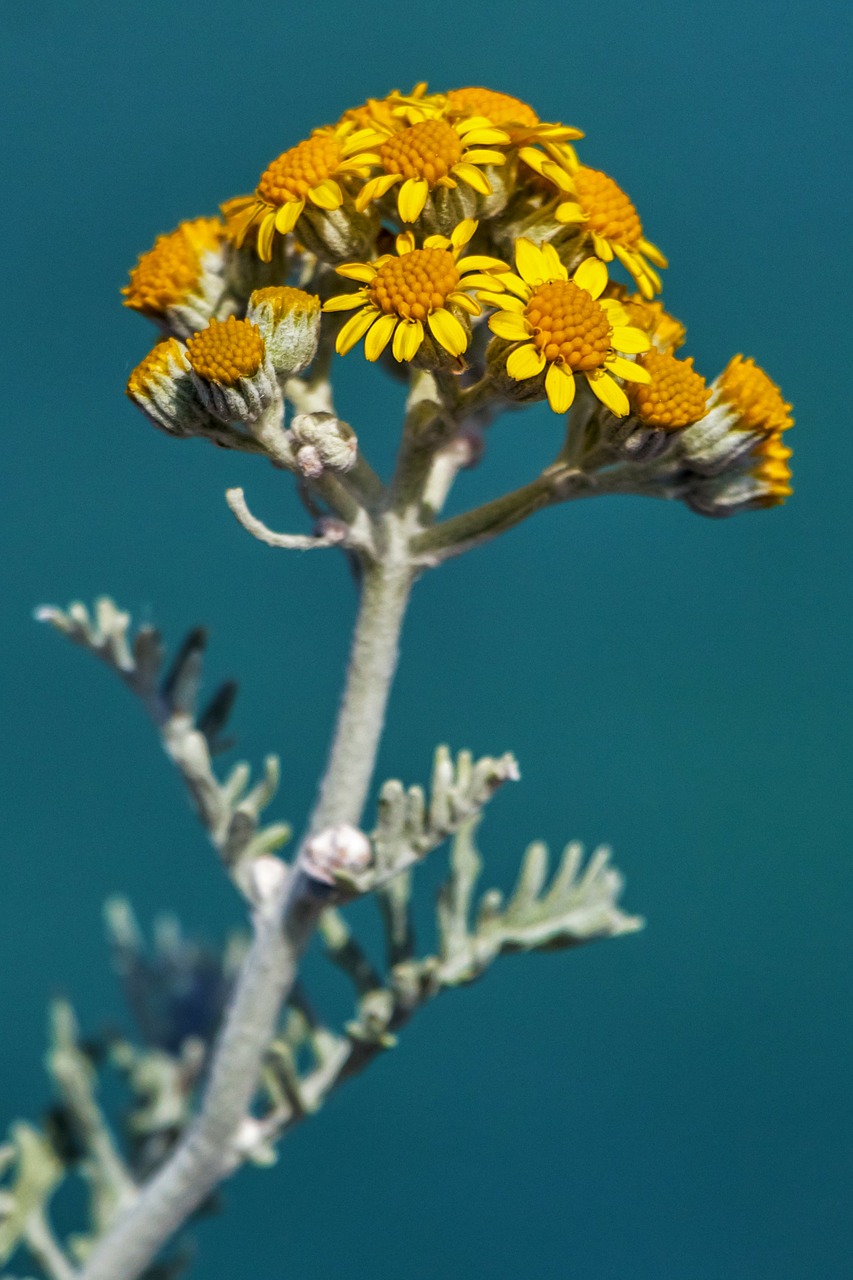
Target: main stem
x=209, y=1151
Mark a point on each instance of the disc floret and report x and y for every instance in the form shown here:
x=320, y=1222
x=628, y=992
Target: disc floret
x=674, y=397
x=177, y=283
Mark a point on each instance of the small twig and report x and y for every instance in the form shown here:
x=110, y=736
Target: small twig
x=334, y=535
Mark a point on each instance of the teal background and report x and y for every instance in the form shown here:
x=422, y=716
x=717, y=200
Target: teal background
x=671, y=1104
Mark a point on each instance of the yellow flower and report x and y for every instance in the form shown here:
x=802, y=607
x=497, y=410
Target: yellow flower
x=306, y=173
x=433, y=153
x=754, y=396
x=174, y=276
x=404, y=295
x=566, y=327
x=608, y=215
x=675, y=396
x=231, y=370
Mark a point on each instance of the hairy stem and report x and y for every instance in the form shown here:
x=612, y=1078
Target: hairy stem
x=211, y=1149
x=385, y=592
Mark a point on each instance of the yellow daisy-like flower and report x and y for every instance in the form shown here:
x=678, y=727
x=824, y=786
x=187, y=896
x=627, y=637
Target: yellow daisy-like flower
x=306, y=173
x=406, y=294
x=171, y=273
x=566, y=327
x=675, y=396
x=609, y=216
x=433, y=153
x=754, y=396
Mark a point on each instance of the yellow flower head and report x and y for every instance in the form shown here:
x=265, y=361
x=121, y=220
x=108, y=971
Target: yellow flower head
x=305, y=174
x=171, y=274
x=675, y=396
x=592, y=199
x=566, y=327
x=406, y=294
x=433, y=153
x=754, y=396
x=225, y=353
x=162, y=363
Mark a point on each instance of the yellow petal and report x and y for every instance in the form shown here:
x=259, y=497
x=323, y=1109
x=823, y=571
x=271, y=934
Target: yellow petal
x=408, y=336
x=404, y=243
x=510, y=325
x=346, y=301
x=480, y=129
x=481, y=281
x=363, y=271
x=555, y=266
x=601, y=247
x=530, y=262
x=288, y=216
x=467, y=304
x=560, y=388
x=532, y=158
x=624, y=337
x=591, y=276
x=448, y=331
x=473, y=176
x=356, y=327
x=609, y=393
x=627, y=369
x=652, y=251
x=479, y=262
x=412, y=198
x=362, y=161
x=375, y=188
x=514, y=284
x=505, y=302
x=326, y=195
x=266, y=235
x=525, y=362
x=481, y=155
x=569, y=211
x=379, y=337
x=463, y=232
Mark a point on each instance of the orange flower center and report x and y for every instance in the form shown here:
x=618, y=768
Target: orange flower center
x=226, y=352
x=607, y=208
x=500, y=108
x=568, y=325
x=676, y=395
x=426, y=150
x=296, y=171
x=756, y=397
x=415, y=284
x=285, y=300
x=166, y=274
x=156, y=365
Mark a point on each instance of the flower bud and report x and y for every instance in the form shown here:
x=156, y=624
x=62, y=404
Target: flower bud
x=232, y=371
x=321, y=441
x=761, y=478
x=288, y=320
x=163, y=388
x=746, y=408
x=338, y=235
x=341, y=849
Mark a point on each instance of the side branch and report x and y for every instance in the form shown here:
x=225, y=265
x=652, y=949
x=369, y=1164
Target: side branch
x=334, y=533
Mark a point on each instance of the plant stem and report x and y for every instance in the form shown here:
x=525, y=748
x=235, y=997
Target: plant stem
x=385, y=592
x=210, y=1149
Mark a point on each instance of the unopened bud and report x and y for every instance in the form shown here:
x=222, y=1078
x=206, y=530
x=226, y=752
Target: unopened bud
x=288, y=320
x=322, y=441
x=335, y=850
x=163, y=388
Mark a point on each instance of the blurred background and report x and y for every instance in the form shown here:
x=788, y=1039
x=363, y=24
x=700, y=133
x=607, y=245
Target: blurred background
x=675, y=1103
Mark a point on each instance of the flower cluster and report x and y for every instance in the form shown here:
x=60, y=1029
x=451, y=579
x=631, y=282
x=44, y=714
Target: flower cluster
x=455, y=232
